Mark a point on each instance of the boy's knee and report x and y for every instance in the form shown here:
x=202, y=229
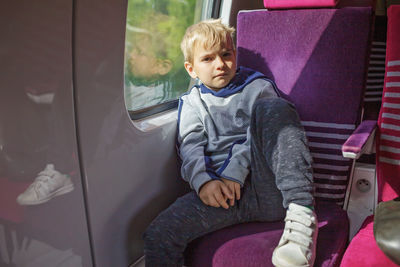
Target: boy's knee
x=273, y=111
x=160, y=246
x=151, y=234
x=265, y=106
x=155, y=234
x=160, y=233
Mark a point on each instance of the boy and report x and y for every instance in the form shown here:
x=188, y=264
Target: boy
x=234, y=122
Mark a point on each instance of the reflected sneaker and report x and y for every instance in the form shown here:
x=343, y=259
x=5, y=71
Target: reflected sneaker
x=48, y=184
x=298, y=242
x=42, y=93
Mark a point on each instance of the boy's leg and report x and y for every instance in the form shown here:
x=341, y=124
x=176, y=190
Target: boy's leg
x=279, y=149
x=185, y=220
x=280, y=155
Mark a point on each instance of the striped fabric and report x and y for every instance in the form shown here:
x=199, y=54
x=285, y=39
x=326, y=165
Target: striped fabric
x=376, y=72
x=388, y=141
x=331, y=169
x=389, y=120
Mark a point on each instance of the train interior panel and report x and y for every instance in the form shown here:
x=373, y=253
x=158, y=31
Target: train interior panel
x=89, y=103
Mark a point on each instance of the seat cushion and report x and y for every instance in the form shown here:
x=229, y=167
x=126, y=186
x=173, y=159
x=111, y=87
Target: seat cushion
x=251, y=244
x=363, y=250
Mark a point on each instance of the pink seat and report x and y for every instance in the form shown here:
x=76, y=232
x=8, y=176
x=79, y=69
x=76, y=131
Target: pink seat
x=363, y=250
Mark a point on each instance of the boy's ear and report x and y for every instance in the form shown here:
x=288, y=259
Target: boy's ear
x=190, y=70
x=164, y=66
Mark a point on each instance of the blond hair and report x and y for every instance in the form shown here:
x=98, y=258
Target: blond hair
x=209, y=33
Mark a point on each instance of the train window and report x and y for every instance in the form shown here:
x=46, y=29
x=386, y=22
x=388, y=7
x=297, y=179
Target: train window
x=154, y=72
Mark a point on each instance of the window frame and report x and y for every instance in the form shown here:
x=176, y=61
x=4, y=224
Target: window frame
x=152, y=110
x=211, y=9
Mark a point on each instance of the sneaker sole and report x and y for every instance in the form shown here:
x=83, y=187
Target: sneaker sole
x=63, y=190
x=276, y=263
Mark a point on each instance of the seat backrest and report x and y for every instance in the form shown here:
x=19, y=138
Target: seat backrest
x=318, y=59
x=388, y=139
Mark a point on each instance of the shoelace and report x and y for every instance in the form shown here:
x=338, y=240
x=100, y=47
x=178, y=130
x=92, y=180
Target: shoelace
x=45, y=175
x=42, y=179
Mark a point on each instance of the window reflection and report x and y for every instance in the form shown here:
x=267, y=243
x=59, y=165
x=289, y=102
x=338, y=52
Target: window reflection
x=154, y=70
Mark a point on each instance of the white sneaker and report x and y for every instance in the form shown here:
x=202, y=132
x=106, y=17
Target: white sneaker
x=48, y=184
x=299, y=238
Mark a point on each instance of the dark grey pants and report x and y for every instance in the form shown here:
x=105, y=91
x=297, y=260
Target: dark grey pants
x=281, y=173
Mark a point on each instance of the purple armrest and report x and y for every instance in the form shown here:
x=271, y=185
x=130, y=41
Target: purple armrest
x=360, y=141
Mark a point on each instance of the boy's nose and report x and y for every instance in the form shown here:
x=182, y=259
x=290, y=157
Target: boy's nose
x=219, y=62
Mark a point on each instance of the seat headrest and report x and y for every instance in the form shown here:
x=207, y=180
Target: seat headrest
x=285, y=4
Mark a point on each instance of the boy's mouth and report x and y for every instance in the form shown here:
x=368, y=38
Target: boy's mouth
x=221, y=74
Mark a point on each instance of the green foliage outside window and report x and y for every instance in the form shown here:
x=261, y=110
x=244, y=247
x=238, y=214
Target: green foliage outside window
x=154, y=70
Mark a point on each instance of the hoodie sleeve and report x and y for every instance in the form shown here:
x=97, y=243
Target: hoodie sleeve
x=191, y=143
x=236, y=167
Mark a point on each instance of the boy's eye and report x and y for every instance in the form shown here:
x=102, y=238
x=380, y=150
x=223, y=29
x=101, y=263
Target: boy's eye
x=206, y=59
x=227, y=54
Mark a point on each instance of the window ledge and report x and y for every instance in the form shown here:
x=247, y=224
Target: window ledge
x=158, y=120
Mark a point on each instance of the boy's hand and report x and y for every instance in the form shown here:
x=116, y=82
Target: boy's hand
x=234, y=187
x=215, y=193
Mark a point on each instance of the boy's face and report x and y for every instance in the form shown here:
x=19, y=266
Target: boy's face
x=215, y=66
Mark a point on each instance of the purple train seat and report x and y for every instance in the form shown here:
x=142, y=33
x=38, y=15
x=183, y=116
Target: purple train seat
x=387, y=152
x=318, y=59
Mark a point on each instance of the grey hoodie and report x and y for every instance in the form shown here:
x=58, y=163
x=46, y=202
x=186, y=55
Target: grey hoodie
x=213, y=128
